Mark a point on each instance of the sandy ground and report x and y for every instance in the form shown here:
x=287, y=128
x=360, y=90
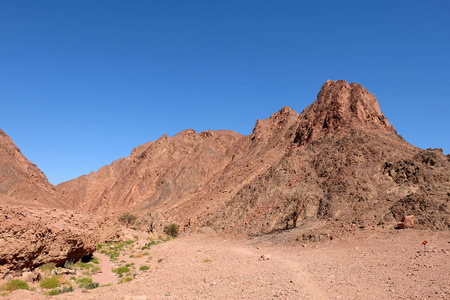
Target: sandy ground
x=368, y=264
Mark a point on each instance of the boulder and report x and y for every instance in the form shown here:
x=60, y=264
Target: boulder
x=30, y=237
x=407, y=222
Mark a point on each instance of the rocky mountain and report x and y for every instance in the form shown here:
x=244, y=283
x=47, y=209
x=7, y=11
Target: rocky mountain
x=21, y=181
x=35, y=225
x=338, y=162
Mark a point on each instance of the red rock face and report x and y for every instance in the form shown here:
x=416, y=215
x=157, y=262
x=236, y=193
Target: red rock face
x=34, y=226
x=21, y=181
x=341, y=107
x=335, y=161
x=30, y=237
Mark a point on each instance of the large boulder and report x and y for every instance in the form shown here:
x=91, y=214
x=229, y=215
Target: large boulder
x=30, y=237
x=407, y=222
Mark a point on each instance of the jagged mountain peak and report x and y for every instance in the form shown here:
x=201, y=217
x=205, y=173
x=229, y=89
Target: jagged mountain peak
x=341, y=106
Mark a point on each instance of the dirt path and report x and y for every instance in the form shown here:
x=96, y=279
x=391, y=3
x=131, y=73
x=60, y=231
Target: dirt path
x=106, y=276
x=367, y=265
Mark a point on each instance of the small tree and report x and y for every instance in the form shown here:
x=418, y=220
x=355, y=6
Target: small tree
x=127, y=219
x=172, y=229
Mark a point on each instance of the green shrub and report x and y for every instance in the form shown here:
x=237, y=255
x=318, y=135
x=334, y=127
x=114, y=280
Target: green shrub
x=49, y=283
x=84, y=266
x=125, y=279
x=172, y=229
x=95, y=260
x=65, y=289
x=68, y=264
x=121, y=270
x=82, y=282
x=127, y=219
x=16, y=284
x=144, y=268
x=47, y=269
x=92, y=285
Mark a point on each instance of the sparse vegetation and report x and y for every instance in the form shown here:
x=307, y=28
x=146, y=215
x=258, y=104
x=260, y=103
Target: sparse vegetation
x=50, y=283
x=68, y=264
x=127, y=219
x=144, y=268
x=15, y=284
x=91, y=286
x=47, y=269
x=95, y=260
x=172, y=229
x=125, y=279
x=86, y=283
x=121, y=270
x=62, y=290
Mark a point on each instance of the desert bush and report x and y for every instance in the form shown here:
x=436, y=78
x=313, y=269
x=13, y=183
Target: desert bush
x=15, y=284
x=125, y=279
x=63, y=290
x=127, y=219
x=172, y=229
x=68, y=264
x=47, y=269
x=92, y=285
x=95, y=260
x=86, y=283
x=144, y=268
x=50, y=283
x=121, y=270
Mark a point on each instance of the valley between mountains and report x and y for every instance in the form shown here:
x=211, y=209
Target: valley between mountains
x=324, y=193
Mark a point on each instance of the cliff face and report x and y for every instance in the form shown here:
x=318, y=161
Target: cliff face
x=339, y=161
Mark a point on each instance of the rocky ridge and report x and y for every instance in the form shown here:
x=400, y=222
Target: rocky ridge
x=329, y=166
x=21, y=181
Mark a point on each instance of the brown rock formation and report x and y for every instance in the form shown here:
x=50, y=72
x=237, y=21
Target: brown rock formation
x=30, y=237
x=21, y=181
x=34, y=227
x=339, y=161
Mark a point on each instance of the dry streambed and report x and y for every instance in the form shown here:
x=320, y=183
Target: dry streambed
x=368, y=264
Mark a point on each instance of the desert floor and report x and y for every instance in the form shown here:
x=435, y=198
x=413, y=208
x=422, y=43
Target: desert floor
x=366, y=264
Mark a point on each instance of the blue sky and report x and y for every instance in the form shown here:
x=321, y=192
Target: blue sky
x=84, y=82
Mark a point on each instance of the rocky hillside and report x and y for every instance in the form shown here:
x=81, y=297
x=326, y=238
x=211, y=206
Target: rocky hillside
x=338, y=162
x=21, y=181
x=35, y=226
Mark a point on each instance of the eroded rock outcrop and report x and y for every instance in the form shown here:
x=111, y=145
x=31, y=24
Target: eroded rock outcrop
x=30, y=237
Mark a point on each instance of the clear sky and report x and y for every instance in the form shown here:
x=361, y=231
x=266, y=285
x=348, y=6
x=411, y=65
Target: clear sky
x=84, y=82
